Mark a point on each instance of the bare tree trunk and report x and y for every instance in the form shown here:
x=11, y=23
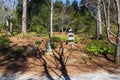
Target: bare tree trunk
x=51, y=19
x=99, y=27
x=117, y=55
x=106, y=23
x=24, y=16
x=9, y=22
x=8, y=27
x=11, y=17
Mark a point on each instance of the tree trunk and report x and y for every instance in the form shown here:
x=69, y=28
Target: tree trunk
x=24, y=16
x=117, y=55
x=51, y=19
x=9, y=22
x=8, y=27
x=98, y=28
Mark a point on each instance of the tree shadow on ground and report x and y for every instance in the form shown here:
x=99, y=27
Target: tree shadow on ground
x=13, y=61
x=59, y=63
x=108, y=57
x=106, y=64
x=61, y=59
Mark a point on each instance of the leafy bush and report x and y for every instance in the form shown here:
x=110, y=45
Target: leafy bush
x=32, y=33
x=98, y=47
x=102, y=37
x=53, y=44
x=39, y=29
x=43, y=35
x=55, y=39
x=4, y=41
x=76, y=40
x=111, y=49
x=64, y=38
x=38, y=42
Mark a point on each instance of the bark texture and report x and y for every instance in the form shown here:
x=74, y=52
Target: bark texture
x=117, y=55
x=24, y=16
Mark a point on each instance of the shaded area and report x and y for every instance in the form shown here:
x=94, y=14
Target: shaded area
x=58, y=61
x=13, y=61
x=16, y=60
x=61, y=60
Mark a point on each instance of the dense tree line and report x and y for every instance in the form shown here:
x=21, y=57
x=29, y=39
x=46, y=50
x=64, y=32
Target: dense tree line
x=65, y=16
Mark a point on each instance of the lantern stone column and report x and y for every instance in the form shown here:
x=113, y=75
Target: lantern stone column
x=71, y=37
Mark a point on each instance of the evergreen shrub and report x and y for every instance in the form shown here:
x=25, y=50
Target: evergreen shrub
x=76, y=40
x=64, y=38
x=102, y=37
x=38, y=42
x=53, y=45
x=4, y=41
x=55, y=38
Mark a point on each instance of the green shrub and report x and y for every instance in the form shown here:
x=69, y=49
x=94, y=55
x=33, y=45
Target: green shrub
x=111, y=49
x=38, y=42
x=53, y=45
x=39, y=29
x=76, y=40
x=4, y=41
x=64, y=38
x=102, y=37
x=43, y=35
x=55, y=39
x=98, y=47
x=32, y=33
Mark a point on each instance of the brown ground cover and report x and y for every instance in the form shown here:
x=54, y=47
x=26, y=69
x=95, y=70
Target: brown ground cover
x=65, y=60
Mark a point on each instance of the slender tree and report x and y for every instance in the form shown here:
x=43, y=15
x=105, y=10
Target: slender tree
x=24, y=16
x=117, y=55
x=9, y=17
x=98, y=15
x=106, y=23
x=51, y=19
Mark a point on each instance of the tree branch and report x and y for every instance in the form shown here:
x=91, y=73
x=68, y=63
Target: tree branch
x=95, y=16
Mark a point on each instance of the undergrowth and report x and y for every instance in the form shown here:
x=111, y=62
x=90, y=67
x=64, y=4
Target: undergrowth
x=99, y=47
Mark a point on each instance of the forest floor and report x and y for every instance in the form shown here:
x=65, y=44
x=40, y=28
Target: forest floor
x=23, y=58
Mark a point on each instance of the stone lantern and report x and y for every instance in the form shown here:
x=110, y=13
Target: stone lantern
x=48, y=49
x=71, y=37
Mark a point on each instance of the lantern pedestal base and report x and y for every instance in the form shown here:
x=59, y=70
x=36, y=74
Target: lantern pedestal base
x=71, y=43
x=48, y=53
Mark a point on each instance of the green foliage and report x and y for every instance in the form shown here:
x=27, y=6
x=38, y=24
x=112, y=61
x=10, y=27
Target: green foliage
x=111, y=49
x=114, y=28
x=55, y=39
x=4, y=41
x=64, y=38
x=53, y=45
x=37, y=23
x=102, y=37
x=37, y=16
x=38, y=28
x=76, y=40
x=33, y=34
x=2, y=16
x=98, y=47
x=38, y=42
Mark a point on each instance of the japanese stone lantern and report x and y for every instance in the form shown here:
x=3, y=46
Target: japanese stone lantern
x=71, y=37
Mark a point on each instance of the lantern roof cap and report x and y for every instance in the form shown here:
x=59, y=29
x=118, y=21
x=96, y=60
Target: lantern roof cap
x=70, y=30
